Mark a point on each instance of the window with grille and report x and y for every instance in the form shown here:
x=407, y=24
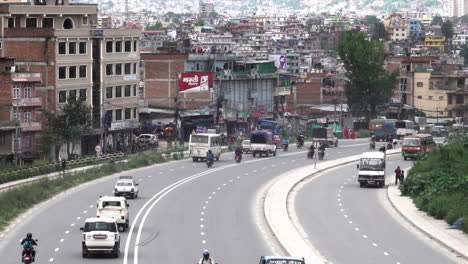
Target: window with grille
x=16, y=91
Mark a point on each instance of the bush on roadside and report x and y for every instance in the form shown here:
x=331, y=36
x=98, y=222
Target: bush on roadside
x=16, y=201
x=439, y=183
x=363, y=133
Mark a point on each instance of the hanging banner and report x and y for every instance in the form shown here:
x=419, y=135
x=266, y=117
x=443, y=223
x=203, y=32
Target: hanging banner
x=195, y=82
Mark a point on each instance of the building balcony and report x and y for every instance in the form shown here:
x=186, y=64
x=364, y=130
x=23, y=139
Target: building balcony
x=27, y=77
x=279, y=91
x=27, y=102
x=28, y=126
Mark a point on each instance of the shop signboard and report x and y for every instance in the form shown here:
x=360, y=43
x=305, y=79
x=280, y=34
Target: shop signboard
x=193, y=82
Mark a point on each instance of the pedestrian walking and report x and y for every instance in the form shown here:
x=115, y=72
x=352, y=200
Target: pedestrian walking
x=397, y=174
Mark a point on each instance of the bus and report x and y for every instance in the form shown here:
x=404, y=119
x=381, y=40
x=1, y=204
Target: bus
x=417, y=146
x=382, y=129
x=200, y=143
x=405, y=128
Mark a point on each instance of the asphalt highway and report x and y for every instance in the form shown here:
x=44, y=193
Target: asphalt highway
x=183, y=209
x=349, y=224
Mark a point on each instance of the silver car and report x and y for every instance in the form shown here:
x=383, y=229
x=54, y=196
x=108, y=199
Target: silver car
x=245, y=146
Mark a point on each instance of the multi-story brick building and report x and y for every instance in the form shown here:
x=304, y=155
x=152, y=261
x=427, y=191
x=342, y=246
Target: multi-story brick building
x=62, y=41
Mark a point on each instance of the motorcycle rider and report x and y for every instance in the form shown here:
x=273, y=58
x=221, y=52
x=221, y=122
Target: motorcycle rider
x=206, y=259
x=300, y=140
x=238, y=152
x=382, y=148
x=372, y=142
x=28, y=242
x=312, y=150
x=209, y=156
x=285, y=142
x=322, y=149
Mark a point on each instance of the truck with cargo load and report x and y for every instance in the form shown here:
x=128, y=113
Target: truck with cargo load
x=261, y=143
x=324, y=135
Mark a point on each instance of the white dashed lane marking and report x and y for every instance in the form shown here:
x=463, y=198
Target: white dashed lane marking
x=61, y=240
x=51, y=260
x=374, y=244
x=67, y=232
x=385, y=253
x=84, y=212
x=56, y=249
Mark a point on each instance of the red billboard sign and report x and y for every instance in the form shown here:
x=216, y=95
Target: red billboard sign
x=190, y=82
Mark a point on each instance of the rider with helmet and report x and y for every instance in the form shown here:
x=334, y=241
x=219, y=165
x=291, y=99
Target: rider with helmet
x=238, y=152
x=28, y=242
x=206, y=259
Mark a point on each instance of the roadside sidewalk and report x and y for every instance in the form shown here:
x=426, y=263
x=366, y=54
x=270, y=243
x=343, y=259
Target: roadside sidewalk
x=454, y=240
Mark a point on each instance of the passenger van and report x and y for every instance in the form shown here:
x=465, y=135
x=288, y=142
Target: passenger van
x=417, y=146
x=200, y=143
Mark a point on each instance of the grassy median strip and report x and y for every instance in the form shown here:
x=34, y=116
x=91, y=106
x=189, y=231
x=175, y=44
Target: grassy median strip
x=438, y=184
x=18, y=200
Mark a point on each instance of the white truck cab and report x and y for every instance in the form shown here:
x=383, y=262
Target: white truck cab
x=115, y=208
x=126, y=186
x=100, y=235
x=371, y=169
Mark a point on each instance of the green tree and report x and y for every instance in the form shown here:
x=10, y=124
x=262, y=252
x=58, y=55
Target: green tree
x=370, y=20
x=464, y=53
x=73, y=121
x=368, y=86
x=447, y=29
x=176, y=20
x=378, y=31
x=213, y=14
x=156, y=26
x=200, y=22
x=437, y=20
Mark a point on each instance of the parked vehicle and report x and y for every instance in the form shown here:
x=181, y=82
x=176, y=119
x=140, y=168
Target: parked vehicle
x=417, y=146
x=324, y=135
x=100, y=235
x=439, y=131
x=261, y=143
x=199, y=145
x=115, y=208
x=405, y=128
x=148, y=139
x=371, y=169
x=382, y=129
x=245, y=146
x=126, y=187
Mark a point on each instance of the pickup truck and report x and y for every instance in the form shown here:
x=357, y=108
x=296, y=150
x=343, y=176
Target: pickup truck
x=261, y=143
x=115, y=208
x=100, y=235
x=324, y=135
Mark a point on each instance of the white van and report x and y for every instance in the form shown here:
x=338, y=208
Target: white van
x=371, y=169
x=199, y=145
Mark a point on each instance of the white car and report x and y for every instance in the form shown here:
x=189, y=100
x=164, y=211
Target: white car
x=127, y=187
x=148, y=139
x=100, y=235
x=115, y=208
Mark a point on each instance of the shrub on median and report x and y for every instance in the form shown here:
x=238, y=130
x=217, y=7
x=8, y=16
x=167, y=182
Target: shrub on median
x=439, y=183
x=16, y=201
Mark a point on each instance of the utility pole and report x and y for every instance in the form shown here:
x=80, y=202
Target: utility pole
x=437, y=114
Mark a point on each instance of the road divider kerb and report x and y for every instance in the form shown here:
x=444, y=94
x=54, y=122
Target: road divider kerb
x=454, y=240
x=276, y=208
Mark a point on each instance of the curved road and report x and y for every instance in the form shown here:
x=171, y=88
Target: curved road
x=185, y=208
x=349, y=224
